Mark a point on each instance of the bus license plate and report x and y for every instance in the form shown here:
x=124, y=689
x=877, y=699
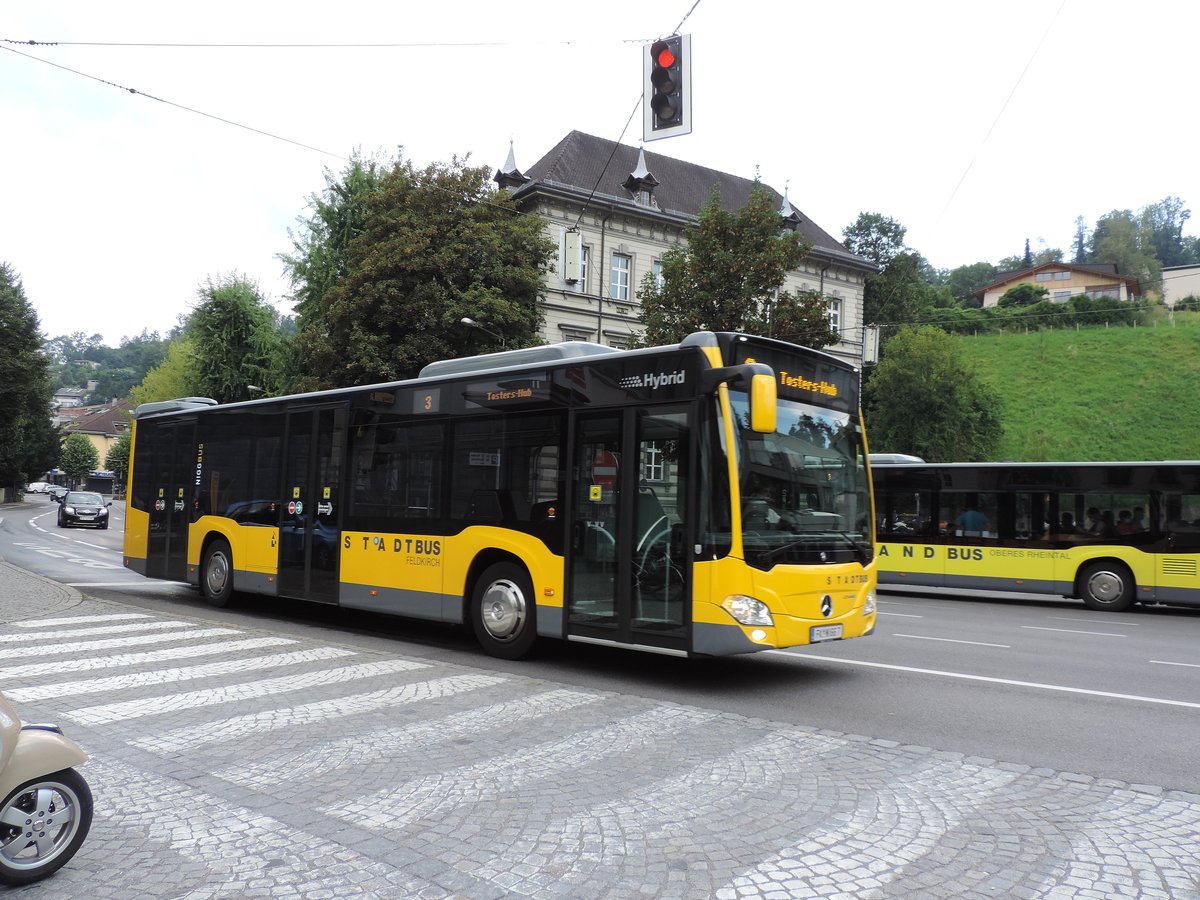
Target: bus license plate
x=825, y=633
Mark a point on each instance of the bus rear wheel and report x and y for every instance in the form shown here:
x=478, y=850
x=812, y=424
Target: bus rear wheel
x=1106, y=586
x=216, y=573
x=503, y=612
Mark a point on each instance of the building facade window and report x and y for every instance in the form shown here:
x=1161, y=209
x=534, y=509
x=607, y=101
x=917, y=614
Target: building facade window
x=584, y=256
x=656, y=268
x=1061, y=296
x=1062, y=276
x=1042, y=276
x=622, y=266
x=835, y=314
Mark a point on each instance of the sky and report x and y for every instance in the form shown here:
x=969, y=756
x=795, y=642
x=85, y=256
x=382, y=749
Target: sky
x=976, y=125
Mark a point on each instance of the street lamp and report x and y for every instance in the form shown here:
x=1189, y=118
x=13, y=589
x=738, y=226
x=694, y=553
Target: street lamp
x=471, y=323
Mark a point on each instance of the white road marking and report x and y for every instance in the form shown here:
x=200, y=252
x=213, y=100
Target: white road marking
x=986, y=678
x=1076, y=620
x=109, y=643
x=901, y=615
x=88, y=632
x=108, y=713
x=358, y=750
x=1075, y=631
x=169, y=676
x=1163, y=662
x=78, y=620
x=922, y=637
x=25, y=672
x=318, y=712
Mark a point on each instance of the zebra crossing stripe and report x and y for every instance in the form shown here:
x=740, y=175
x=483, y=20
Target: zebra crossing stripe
x=168, y=676
x=17, y=674
x=139, y=640
x=318, y=711
x=89, y=632
x=356, y=751
x=149, y=706
x=413, y=801
x=80, y=620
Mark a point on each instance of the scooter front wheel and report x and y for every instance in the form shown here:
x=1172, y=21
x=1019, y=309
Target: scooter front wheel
x=42, y=824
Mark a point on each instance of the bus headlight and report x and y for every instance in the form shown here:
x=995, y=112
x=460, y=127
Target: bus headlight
x=869, y=604
x=747, y=610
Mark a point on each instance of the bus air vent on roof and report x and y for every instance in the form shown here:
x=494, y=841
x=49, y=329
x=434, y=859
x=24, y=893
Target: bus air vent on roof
x=507, y=358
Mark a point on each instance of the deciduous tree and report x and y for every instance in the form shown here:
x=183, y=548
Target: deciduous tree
x=729, y=276
x=434, y=245
x=79, y=457
x=876, y=237
x=924, y=398
x=234, y=334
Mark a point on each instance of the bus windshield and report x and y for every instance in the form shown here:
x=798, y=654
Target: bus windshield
x=805, y=488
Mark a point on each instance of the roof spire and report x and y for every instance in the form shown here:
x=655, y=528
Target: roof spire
x=510, y=176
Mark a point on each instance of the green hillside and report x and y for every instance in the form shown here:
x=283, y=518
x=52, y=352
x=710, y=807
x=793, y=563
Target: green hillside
x=1095, y=394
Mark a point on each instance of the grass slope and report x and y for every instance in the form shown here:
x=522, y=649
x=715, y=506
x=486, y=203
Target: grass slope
x=1096, y=394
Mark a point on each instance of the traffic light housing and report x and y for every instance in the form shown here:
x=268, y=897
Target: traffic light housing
x=667, y=88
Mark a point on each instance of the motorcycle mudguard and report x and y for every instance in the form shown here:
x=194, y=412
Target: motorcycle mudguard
x=38, y=753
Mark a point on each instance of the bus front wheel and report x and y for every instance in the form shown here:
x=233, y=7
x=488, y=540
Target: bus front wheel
x=1106, y=586
x=216, y=573
x=503, y=613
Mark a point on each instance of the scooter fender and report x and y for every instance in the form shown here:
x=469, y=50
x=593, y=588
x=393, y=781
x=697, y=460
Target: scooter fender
x=38, y=753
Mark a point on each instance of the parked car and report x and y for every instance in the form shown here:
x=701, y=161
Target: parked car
x=83, y=508
x=37, y=487
x=56, y=491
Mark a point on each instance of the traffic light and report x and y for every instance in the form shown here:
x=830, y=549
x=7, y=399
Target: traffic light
x=667, y=88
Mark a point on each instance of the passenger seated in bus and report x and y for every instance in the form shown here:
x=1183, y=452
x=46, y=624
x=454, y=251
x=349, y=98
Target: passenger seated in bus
x=1093, y=525
x=1139, y=519
x=1066, y=524
x=1125, y=522
x=971, y=522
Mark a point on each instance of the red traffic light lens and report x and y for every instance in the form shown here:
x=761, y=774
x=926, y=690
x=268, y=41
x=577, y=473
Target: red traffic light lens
x=666, y=58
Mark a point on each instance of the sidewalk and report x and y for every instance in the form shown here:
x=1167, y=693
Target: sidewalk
x=221, y=769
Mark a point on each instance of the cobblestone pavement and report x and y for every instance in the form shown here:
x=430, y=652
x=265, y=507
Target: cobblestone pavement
x=232, y=762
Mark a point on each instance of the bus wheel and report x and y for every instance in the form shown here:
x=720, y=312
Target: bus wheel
x=216, y=573
x=1107, y=586
x=503, y=611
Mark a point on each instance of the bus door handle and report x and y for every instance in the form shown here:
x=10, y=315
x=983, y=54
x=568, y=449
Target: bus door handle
x=577, y=537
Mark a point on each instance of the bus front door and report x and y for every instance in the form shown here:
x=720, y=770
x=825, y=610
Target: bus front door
x=311, y=508
x=174, y=461
x=626, y=571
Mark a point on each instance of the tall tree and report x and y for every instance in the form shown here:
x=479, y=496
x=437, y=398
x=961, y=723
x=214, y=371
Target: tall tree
x=320, y=246
x=1027, y=259
x=896, y=295
x=435, y=245
x=1164, y=223
x=234, y=334
x=924, y=398
x=1080, y=240
x=24, y=385
x=176, y=376
x=117, y=459
x=79, y=457
x=729, y=277
x=966, y=280
x=876, y=237
x=1121, y=237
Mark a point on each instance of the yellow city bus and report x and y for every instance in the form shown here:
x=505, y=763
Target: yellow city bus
x=1110, y=533
x=571, y=491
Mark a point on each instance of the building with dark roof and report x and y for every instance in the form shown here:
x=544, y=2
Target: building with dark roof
x=627, y=207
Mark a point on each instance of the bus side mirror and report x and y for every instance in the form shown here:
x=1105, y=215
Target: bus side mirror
x=763, y=403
